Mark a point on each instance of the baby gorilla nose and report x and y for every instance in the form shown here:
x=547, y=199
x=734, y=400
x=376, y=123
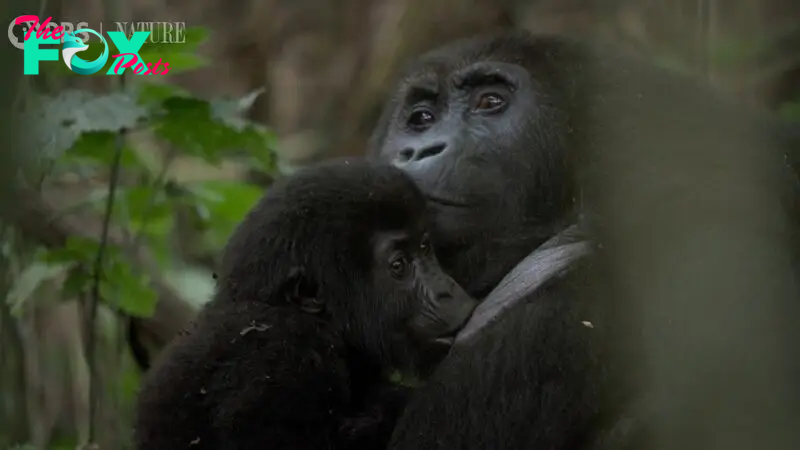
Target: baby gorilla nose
x=443, y=314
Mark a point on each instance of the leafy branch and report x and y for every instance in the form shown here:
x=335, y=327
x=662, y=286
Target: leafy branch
x=111, y=248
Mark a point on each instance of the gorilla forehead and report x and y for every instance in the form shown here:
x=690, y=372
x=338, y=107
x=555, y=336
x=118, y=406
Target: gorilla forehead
x=513, y=47
x=348, y=192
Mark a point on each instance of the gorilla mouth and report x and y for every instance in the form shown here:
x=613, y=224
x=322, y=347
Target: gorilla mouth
x=446, y=201
x=449, y=338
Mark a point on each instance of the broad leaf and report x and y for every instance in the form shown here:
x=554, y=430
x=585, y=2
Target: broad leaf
x=99, y=147
x=223, y=205
x=124, y=289
x=56, y=123
x=155, y=93
x=197, y=127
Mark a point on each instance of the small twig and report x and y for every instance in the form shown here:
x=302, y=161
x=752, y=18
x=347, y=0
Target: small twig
x=95, y=297
x=157, y=186
x=98, y=267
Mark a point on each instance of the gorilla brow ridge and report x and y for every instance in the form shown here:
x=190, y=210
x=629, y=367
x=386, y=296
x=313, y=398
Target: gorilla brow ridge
x=482, y=74
x=421, y=87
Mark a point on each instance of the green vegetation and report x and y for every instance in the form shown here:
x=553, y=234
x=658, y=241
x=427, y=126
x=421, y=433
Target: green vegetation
x=118, y=150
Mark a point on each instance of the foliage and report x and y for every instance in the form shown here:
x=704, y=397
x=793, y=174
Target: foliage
x=78, y=134
x=77, y=131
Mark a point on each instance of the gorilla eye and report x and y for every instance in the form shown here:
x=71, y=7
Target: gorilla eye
x=489, y=102
x=420, y=119
x=399, y=267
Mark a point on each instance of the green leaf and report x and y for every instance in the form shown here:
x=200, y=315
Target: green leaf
x=211, y=130
x=78, y=249
x=257, y=140
x=149, y=210
x=128, y=385
x=146, y=201
x=29, y=281
x=231, y=111
x=227, y=200
x=260, y=145
x=225, y=204
x=98, y=147
x=187, y=124
x=123, y=288
x=156, y=93
x=120, y=285
x=77, y=282
x=144, y=210
x=195, y=36
x=54, y=124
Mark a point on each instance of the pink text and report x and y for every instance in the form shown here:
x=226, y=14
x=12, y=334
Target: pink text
x=139, y=68
x=43, y=32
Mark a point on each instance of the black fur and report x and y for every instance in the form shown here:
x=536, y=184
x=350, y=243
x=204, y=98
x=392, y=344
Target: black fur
x=501, y=180
x=292, y=351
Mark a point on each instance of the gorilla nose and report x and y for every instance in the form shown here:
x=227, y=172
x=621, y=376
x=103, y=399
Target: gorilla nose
x=409, y=155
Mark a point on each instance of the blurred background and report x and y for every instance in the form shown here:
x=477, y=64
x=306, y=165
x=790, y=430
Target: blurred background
x=259, y=87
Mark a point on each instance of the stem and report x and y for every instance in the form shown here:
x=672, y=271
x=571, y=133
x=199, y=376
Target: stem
x=95, y=296
x=91, y=340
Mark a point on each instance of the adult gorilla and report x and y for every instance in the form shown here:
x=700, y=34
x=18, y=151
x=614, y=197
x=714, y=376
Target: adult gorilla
x=489, y=128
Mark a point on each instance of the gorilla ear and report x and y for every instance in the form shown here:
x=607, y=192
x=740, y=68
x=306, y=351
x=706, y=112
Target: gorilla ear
x=301, y=290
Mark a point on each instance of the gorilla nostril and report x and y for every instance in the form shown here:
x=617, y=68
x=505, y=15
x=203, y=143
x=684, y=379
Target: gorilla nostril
x=427, y=152
x=410, y=154
x=406, y=154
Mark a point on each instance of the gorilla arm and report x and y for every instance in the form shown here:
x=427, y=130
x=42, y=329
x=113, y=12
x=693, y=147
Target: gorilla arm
x=550, y=260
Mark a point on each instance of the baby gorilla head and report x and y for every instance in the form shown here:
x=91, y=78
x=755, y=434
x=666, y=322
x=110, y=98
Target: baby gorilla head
x=347, y=241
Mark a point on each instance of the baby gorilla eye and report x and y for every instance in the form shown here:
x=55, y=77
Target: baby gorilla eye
x=489, y=102
x=420, y=119
x=398, y=267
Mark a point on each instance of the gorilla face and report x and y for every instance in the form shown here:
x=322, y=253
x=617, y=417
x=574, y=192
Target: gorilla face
x=473, y=134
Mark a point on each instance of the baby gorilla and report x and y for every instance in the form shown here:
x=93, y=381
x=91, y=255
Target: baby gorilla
x=328, y=282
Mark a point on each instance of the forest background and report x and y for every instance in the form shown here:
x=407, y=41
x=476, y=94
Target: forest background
x=130, y=187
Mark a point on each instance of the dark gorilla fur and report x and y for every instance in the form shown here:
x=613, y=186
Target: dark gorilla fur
x=292, y=350
x=489, y=128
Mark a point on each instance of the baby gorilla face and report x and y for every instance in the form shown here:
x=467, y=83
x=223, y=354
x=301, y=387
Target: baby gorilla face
x=412, y=300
